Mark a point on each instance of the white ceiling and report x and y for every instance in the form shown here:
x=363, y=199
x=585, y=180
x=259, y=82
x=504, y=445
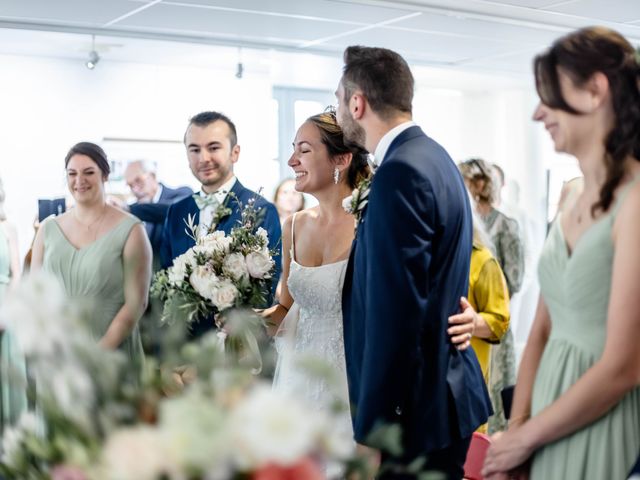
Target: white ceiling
x=495, y=36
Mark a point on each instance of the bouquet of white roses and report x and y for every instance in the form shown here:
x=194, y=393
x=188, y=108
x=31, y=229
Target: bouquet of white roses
x=219, y=272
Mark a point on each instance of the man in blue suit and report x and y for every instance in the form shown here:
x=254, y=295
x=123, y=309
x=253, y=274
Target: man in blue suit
x=212, y=150
x=153, y=199
x=408, y=268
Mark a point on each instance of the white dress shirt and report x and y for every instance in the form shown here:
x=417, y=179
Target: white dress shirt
x=207, y=213
x=387, y=139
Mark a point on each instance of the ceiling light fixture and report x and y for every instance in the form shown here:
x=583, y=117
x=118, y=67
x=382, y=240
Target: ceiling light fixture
x=239, y=67
x=94, y=58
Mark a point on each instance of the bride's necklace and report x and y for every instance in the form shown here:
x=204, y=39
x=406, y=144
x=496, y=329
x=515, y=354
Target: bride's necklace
x=88, y=226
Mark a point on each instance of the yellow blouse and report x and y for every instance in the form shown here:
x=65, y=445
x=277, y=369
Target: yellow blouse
x=488, y=295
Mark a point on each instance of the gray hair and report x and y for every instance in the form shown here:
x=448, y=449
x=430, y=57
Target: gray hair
x=147, y=165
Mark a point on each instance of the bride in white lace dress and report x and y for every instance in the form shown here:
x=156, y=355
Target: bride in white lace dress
x=315, y=249
x=316, y=244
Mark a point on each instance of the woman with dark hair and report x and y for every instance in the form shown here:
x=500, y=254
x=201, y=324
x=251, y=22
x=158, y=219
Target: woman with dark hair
x=576, y=408
x=100, y=254
x=315, y=249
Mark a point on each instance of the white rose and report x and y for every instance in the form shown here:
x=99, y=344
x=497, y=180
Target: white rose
x=224, y=295
x=235, y=266
x=195, y=431
x=259, y=264
x=179, y=269
x=203, y=280
x=263, y=233
x=213, y=242
x=135, y=454
x=269, y=426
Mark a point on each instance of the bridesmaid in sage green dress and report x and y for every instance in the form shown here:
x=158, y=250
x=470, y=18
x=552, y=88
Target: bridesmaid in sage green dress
x=13, y=391
x=576, y=408
x=100, y=254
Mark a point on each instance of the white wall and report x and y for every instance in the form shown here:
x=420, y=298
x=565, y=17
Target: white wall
x=50, y=104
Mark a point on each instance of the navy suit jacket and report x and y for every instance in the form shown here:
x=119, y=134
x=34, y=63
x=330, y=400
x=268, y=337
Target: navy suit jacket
x=153, y=214
x=408, y=268
x=176, y=241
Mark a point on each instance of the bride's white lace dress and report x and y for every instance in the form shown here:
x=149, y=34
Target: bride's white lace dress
x=313, y=331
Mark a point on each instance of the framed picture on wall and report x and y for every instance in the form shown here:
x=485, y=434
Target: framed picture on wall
x=167, y=156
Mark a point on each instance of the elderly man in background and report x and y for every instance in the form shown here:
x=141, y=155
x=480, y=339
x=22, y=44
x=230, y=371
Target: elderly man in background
x=153, y=199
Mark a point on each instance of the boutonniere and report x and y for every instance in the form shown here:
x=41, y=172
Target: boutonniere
x=358, y=200
x=221, y=212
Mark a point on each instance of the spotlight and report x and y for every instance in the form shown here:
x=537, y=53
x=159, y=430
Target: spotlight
x=239, y=66
x=93, y=60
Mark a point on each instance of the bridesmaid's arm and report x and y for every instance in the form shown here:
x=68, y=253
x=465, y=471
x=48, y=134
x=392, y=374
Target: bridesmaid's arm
x=275, y=314
x=611, y=377
x=37, y=249
x=137, y=278
x=500, y=457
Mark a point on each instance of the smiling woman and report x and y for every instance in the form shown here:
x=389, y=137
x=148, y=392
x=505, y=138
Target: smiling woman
x=100, y=254
x=315, y=246
x=577, y=400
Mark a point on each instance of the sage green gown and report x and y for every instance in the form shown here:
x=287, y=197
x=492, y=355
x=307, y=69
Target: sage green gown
x=93, y=277
x=13, y=400
x=576, y=289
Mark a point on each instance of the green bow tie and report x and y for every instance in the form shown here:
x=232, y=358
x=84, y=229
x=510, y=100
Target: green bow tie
x=207, y=200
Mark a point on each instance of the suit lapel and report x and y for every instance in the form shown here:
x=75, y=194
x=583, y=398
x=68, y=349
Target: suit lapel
x=232, y=200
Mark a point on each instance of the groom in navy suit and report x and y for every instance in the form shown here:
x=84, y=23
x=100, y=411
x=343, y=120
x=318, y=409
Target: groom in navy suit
x=408, y=268
x=212, y=150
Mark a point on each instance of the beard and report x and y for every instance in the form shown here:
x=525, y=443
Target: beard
x=352, y=132
x=214, y=179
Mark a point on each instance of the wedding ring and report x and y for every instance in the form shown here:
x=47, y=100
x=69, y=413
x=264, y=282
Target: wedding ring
x=468, y=336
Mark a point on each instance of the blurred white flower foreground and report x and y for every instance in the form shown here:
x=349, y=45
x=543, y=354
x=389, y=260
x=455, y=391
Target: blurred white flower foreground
x=94, y=427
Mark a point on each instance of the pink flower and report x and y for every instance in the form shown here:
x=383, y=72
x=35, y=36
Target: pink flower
x=66, y=472
x=305, y=469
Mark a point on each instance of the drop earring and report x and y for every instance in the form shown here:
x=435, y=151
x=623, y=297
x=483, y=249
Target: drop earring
x=336, y=175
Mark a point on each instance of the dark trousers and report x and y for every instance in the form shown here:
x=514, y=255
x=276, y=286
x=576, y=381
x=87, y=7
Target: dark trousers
x=636, y=469
x=448, y=461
